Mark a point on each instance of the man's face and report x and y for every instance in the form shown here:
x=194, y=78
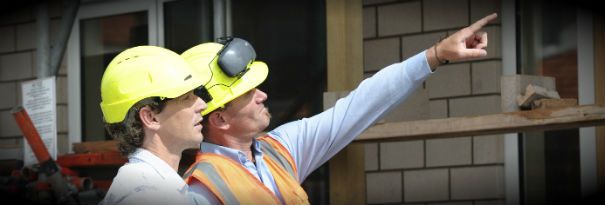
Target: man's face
x=247, y=114
x=180, y=120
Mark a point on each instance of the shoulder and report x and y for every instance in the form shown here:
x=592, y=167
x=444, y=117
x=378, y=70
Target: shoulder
x=139, y=182
x=134, y=171
x=132, y=176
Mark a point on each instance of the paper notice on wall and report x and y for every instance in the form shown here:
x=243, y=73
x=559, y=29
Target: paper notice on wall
x=39, y=100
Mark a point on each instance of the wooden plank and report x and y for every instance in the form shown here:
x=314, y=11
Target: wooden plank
x=534, y=92
x=512, y=86
x=345, y=71
x=554, y=103
x=96, y=146
x=11, y=142
x=512, y=122
x=599, y=55
x=92, y=159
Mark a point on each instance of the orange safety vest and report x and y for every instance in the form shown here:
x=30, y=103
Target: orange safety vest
x=231, y=183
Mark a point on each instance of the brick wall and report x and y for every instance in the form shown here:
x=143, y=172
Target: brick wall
x=464, y=170
x=18, y=64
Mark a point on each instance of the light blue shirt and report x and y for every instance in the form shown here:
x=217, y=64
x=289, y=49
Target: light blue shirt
x=313, y=141
x=147, y=179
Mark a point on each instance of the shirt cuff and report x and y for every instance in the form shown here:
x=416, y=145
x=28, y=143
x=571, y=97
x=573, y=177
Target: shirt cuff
x=419, y=64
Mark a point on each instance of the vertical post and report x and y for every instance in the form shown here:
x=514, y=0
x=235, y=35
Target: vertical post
x=586, y=95
x=344, y=44
x=599, y=75
x=228, y=19
x=67, y=22
x=509, y=67
x=219, y=18
x=345, y=71
x=43, y=48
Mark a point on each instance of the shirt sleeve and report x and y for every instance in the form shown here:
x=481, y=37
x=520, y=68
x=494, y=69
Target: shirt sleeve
x=312, y=141
x=200, y=195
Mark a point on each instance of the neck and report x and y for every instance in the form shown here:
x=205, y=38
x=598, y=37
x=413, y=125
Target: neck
x=170, y=155
x=243, y=144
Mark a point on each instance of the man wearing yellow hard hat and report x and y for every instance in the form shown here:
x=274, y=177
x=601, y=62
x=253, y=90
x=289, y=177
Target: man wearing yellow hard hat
x=151, y=103
x=238, y=164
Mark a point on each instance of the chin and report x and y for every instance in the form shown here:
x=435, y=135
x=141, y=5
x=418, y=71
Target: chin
x=264, y=125
x=199, y=139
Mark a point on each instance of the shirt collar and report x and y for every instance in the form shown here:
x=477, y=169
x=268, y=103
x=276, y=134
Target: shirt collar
x=233, y=154
x=160, y=166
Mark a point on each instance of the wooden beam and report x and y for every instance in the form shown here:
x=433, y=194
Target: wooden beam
x=345, y=71
x=534, y=92
x=109, y=158
x=512, y=122
x=344, y=44
x=96, y=146
x=554, y=103
x=347, y=176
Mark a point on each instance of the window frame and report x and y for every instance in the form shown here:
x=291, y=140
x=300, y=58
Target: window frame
x=74, y=81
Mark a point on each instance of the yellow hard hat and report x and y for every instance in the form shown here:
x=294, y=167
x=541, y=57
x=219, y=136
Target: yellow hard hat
x=227, y=83
x=141, y=72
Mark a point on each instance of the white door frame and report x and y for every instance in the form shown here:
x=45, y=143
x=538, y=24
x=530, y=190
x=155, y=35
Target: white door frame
x=509, y=67
x=94, y=10
x=586, y=95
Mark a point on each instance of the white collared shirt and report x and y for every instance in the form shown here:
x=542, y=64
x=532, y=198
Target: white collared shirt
x=147, y=179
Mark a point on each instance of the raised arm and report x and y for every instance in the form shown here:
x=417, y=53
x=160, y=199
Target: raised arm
x=312, y=141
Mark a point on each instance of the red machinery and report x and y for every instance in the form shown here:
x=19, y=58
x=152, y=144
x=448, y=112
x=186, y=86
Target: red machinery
x=47, y=180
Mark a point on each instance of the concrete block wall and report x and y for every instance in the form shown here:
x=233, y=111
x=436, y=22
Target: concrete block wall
x=18, y=38
x=463, y=170
x=467, y=169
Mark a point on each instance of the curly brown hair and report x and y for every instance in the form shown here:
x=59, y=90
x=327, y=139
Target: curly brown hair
x=129, y=132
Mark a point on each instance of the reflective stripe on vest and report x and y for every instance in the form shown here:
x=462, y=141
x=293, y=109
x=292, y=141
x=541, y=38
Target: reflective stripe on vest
x=267, y=148
x=231, y=183
x=215, y=177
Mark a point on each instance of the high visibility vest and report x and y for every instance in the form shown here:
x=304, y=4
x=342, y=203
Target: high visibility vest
x=231, y=183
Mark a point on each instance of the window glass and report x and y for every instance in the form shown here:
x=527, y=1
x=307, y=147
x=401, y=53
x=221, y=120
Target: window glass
x=550, y=169
x=187, y=23
x=101, y=39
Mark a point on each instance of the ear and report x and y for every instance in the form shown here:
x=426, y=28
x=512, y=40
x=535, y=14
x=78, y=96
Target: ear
x=218, y=120
x=149, y=118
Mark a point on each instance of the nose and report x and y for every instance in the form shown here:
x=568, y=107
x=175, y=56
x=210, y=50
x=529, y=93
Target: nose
x=260, y=96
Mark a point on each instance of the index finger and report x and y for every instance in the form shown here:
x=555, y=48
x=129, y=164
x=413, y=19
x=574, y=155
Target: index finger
x=481, y=22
